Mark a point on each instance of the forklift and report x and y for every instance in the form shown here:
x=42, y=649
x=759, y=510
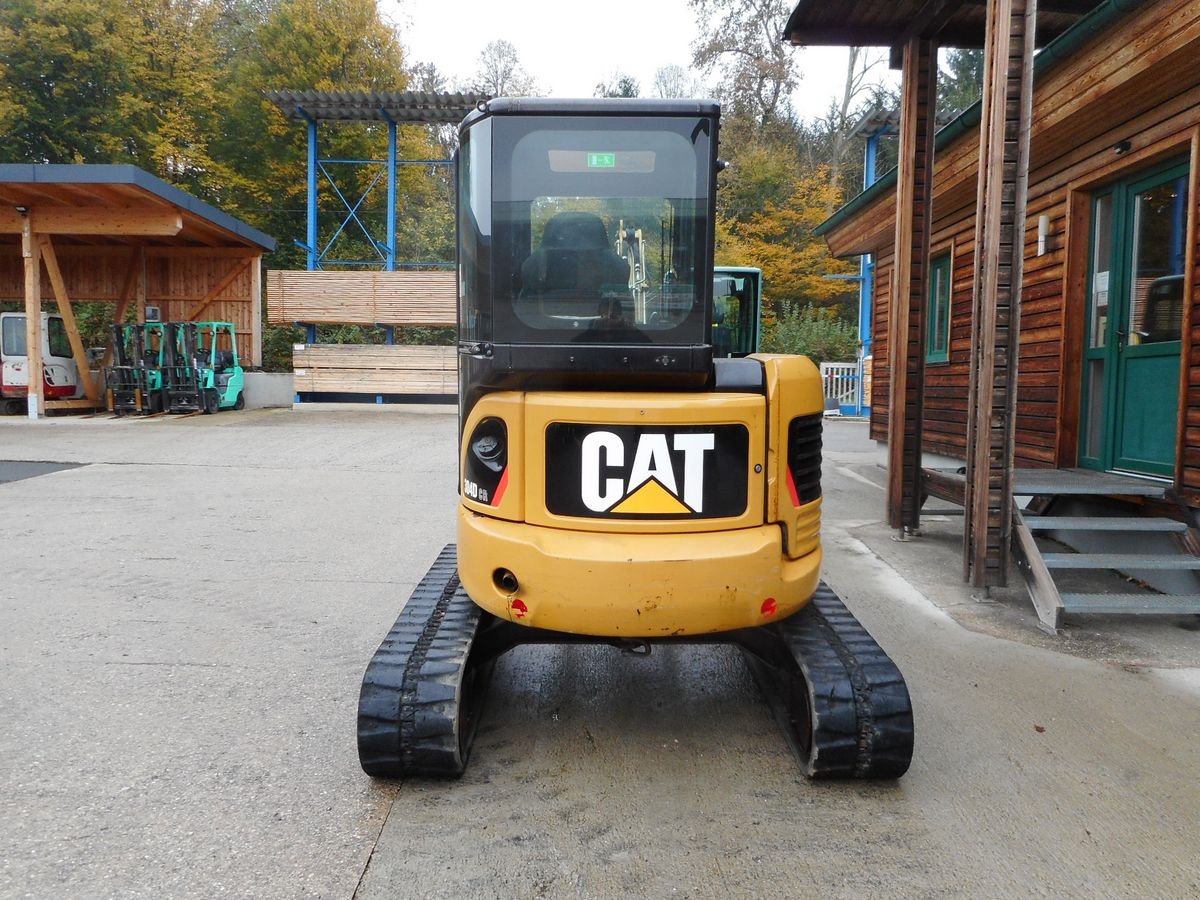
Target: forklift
x=621, y=482
x=134, y=382
x=203, y=373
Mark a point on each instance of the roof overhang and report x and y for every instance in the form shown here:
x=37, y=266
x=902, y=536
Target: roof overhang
x=891, y=23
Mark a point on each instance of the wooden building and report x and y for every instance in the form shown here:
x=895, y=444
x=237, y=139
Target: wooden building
x=1034, y=311
x=119, y=235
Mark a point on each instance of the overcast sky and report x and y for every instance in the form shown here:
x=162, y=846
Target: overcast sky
x=570, y=47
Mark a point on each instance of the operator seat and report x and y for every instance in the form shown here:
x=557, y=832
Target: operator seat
x=575, y=260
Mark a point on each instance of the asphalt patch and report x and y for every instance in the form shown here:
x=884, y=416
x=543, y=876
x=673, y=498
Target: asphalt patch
x=11, y=470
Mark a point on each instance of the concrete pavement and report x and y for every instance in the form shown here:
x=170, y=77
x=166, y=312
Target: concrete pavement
x=184, y=620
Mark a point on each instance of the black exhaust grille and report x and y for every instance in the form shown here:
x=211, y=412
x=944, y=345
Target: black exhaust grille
x=804, y=456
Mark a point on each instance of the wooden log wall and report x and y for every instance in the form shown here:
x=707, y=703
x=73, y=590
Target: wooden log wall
x=1143, y=88
x=361, y=298
x=375, y=369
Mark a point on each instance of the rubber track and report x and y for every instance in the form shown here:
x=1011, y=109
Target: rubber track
x=420, y=693
x=860, y=713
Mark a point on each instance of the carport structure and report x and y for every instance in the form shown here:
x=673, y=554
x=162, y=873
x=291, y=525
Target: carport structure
x=117, y=234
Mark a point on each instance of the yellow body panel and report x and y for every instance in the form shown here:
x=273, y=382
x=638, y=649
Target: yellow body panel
x=619, y=408
x=633, y=585
x=671, y=572
x=793, y=389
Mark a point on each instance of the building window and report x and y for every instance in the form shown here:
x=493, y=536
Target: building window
x=937, y=346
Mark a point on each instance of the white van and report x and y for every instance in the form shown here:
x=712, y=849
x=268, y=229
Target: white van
x=60, y=375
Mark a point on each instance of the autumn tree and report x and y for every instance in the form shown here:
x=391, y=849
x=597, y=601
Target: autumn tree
x=101, y=81
x=742, y=39
x=500, y=73
x=778, y=238
x=676, y=81
x=619, y=85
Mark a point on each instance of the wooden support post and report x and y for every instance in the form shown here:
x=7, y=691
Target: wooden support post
x=999, y=262
x=140, y=285
x=256, y=312
x=68, y=315
x=33, y=318
x=906, y=350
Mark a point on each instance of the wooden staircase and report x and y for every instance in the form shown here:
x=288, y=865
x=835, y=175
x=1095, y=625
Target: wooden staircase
x=1148, y=549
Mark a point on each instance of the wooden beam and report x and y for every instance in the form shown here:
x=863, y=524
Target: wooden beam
x=928, y=21
x=256, y=311
x=139, y=285
x=33, y=319
x=906, y=327
x=230, y=278
x=100, y=220
x=999, y=266
x=123, y=304
x=68, y=315
x=203, y=252
x=74, y=404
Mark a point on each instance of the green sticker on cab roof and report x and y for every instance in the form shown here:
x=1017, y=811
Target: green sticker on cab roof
x=602, y=160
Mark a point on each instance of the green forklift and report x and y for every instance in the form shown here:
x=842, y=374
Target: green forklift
x=134, y=382
x=204, y=373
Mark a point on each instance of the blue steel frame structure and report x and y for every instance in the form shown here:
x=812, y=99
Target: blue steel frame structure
x=393, y=108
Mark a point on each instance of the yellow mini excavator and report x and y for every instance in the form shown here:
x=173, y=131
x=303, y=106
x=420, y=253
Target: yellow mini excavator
x=619, y=484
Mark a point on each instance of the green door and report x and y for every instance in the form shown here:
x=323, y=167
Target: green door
x=1135, y=322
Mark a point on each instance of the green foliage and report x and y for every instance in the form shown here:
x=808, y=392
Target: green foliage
x=816, y=333
x=428, y=335
x=960, y=77
x=277, y=347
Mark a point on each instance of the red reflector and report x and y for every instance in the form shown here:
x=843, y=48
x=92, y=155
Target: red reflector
x=768, y=607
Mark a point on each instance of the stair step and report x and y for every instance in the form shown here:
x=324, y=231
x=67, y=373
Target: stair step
x=1124, y=562
x=1134, y=604
x=1103, y=523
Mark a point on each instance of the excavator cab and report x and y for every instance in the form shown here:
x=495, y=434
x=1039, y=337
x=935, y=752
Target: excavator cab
x=620, y=483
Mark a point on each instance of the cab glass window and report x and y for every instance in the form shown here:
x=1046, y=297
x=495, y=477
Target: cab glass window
x=60, y=344
x=13, y=336
x=600, y=229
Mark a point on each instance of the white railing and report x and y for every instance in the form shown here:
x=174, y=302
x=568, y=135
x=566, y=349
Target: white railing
x=841, y=382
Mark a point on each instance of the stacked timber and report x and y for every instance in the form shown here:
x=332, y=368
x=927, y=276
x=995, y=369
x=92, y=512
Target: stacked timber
x=374, y=369
x=361, y=298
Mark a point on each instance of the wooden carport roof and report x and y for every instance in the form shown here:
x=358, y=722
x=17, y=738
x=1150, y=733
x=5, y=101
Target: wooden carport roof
x=115, y=204
x=94, y=228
